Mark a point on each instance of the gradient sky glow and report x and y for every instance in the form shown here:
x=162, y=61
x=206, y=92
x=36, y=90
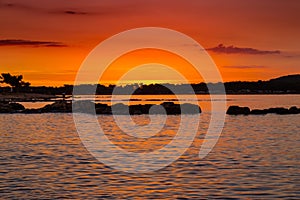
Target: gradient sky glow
x=47, y=40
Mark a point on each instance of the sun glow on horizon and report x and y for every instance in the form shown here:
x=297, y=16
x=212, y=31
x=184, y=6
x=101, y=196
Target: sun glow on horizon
x=151, y=72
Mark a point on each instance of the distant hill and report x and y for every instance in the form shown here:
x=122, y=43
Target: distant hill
x=284, y=83
x=289, y=84
x=295, y=78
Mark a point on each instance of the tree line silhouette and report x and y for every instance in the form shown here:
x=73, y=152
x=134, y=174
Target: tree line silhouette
x=14, y=81
x=283, y=85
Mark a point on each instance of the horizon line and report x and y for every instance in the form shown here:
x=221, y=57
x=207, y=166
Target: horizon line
x=158, y=82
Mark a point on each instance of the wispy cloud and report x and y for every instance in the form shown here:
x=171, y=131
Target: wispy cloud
x=245, y=67
x=18, y=6
x=69, y=12
x=32, y=43
x=72, y=12
x=32, y=8
x=69, y=9
x=240, y=50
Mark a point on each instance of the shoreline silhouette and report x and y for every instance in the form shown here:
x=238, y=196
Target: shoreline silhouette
x=289, y=84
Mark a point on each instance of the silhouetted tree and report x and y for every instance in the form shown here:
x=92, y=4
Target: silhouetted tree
x=14, y=81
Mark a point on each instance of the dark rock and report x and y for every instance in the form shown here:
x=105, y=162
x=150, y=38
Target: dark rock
x=59, y=106
x=171, y=108
x=294, y=110
x=10, y=107
x=187, y=108
x=146, y=108
x=101, y=105
x=139, y=109
x=168, y=108
x=236, y=110
x=281, y=111
x=120, y=109
x=284, y=111
x=136, y=112
x=259, y=112
x=167, y=104
x=273, y=110
x=83, y=106
x=32, y=111
x=90, y=107
x=157, y=110
x=17, y=106
x=103, y=109
x=5, y=108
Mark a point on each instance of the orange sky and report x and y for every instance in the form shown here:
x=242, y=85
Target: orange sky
x=123, y=64
x=47, y=41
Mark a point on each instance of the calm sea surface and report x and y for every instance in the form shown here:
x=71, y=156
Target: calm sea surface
x=41, y=156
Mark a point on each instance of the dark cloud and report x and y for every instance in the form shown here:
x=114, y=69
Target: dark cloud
x=239, y=50
x=9, y=42
x=244, y=67
x=71, y=12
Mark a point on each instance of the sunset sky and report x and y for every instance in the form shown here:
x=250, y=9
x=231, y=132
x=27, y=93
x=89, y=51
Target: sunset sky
x=47, y=40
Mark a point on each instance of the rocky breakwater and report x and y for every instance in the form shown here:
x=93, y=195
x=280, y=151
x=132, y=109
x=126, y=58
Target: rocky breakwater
x=237, y=110
x=168, y=108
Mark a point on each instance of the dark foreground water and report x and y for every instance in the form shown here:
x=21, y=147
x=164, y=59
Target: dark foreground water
x=41, y=156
